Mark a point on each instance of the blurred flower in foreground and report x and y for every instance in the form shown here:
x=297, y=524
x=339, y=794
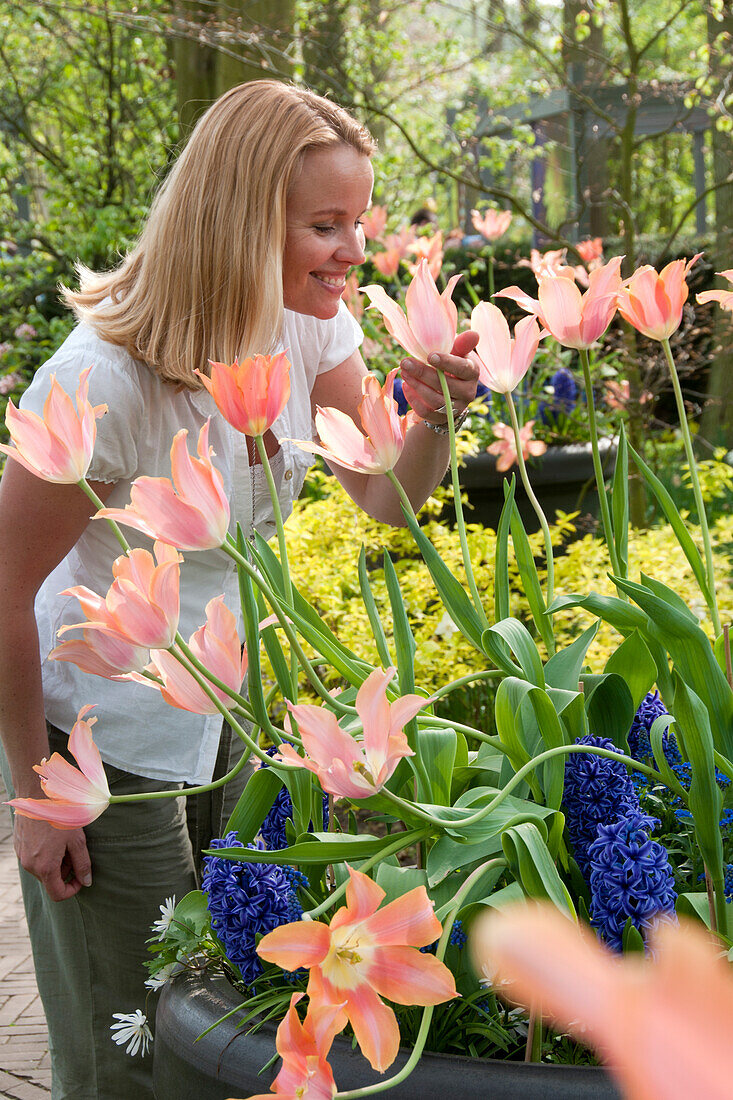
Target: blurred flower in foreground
x=74, y=796
x=492, y=224
x=505, y=447
x=638, y=1013
x=724, y=297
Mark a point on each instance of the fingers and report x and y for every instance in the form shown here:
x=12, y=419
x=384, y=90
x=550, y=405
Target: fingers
x=421, y=384
x=57, y=858
x=78, y=853
x=465, y=342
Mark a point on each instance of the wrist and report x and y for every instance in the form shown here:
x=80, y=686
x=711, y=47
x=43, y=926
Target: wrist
x=443, y=429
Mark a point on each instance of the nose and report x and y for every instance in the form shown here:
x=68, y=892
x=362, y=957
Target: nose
x=351, y=250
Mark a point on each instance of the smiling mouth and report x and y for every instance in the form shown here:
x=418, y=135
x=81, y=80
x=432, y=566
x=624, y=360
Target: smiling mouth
x=333, y=282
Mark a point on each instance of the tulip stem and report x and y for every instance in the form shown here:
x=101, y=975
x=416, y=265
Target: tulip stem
x=186, y=792
x=427, y=1016
x=404, y=840
x=410, y=810
x=430, y=721
x=549, y=558
x=697, y=492
x=598, y=467
x=292, y=637
x=406, y=502
x=235, y=695
x=460, y=523
x=282, y=546
x=99, y=504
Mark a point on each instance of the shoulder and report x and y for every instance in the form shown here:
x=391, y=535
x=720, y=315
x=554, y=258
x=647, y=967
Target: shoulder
x=322, y=343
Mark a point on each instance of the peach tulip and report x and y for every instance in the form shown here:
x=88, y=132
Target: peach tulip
x=304, y=1047
x=653, y=302
x=192, y=513
x=505, y=446
x=217, y=646
x=723, y=297
x=74, y=796
x=353, y=297
x=503, y=361
x=59, y=445
x=142, y=605
x=429, y=249
x=377, y=447
x=374, y=222
x=492, y=224
x=387, y=263
x=367, y=953
x=590, y=250
x=401, y=241
x=431, y=318
x=575, y=320
x=347, y=768
x=252, y=394
x=548, y=263
x=662, y=1023
x=102, y=654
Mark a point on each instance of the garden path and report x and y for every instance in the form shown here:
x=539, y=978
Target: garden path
x=25, y=1069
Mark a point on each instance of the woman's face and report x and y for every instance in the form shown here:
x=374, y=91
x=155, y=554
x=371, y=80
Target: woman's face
x=323, y=235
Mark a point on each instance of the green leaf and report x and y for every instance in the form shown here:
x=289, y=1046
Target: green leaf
x=532, y=865
x=564, y=667
x=437, y=749
x=251, y=619
x=633, y=662
x=624, y=616
x=610, y=708
x=659, y=727
x=456, y=600
x=396, y=881
x=677, y=524
x=403, y=636
x=694, y=905
x=620, y=502
x=704, y=797
x=501, y=560
x=321, y=848
x=530, y=580
x=375, y=622
x=632, y=940
x=254, y=804
x=192, y=910
x=481, y=893
x=522, y=644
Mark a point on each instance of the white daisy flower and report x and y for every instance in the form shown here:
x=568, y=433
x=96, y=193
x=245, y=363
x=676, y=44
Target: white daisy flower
x=161, y=977
x=132, y=1028
x=163, y=923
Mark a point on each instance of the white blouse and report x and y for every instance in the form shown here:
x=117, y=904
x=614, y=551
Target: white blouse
x=136, y=730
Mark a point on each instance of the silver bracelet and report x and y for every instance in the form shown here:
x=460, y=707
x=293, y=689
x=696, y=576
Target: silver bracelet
x=443, y=429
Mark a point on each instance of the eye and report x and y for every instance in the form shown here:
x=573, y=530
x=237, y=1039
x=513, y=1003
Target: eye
x=324, y=228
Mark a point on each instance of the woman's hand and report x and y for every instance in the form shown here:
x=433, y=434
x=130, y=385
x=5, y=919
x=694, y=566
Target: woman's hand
x=421, y=385
x=59, y=859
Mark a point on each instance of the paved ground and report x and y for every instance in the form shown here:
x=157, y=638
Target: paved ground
x=25, y=1072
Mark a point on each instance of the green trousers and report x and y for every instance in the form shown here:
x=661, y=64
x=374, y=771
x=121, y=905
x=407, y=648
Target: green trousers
x=89, y=951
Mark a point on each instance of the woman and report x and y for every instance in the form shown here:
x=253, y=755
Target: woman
x=246, y=250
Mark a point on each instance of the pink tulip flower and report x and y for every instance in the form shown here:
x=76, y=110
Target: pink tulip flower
x=432, y=318
x=377, y=447
x=192, y=516
x=387, y=263
x=347, y=768
x=639, y=1013
x=74, y=796
x=102, y=654
x=505, y=446
x=217, y=646
x=590, y=250
x=503, y=361
x=252, y=394
x=653, y=302
x=353, y=297
x=304, y=1047
x=401, y=241
x=723, y=297
x=492, y=224
x=59, y=445
x=142, y=605
x=367, y=953
x=374, y=222
x=575, y=320
x=548, y=263
x=429, y=249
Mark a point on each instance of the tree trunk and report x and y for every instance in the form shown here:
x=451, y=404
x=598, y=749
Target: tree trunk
x=324, y=41
x=717, y=419
x=273, y=23
x=195, y=64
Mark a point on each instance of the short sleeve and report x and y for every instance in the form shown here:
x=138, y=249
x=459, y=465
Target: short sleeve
x=344, y=337
x=115, y=455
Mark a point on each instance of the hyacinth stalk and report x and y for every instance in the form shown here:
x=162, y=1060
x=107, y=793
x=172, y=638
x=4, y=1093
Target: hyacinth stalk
x=712, y=601
x=549, y=558
x=598, y=467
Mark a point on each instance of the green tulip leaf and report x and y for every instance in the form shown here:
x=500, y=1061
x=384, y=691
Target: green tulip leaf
x=501, y=560
x=322, y=848
x=530, y=580
x=437, y=749
x=633, y=662
x=380, y=639
x=620, y=502
x=532, y=865
x=610, y=707
x=564, y=667
x=254, y=804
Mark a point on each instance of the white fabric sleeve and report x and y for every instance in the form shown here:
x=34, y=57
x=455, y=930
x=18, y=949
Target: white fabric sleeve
x=344, y=337
x=115, y=451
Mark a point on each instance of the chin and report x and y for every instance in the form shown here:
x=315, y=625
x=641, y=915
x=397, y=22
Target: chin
x=323, y=311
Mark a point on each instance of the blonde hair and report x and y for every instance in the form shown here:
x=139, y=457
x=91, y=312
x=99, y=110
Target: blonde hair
x=204, y=281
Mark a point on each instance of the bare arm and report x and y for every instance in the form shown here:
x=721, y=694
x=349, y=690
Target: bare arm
x=425, y=456
x=39, y=523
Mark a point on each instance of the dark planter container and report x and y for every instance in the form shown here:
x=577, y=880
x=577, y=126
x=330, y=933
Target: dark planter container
x=561, y=478
x=225, y=1063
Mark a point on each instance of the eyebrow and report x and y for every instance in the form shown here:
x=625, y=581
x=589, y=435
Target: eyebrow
x=331, y=212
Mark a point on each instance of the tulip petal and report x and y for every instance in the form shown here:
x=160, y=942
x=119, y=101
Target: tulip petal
x=375, y=1027
x=396, y=323
x=426, y=314
x=561, y=305
x=407, y=921
x=363, y=897
x=410, y=977
x=61, y=815
x=301, y=943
